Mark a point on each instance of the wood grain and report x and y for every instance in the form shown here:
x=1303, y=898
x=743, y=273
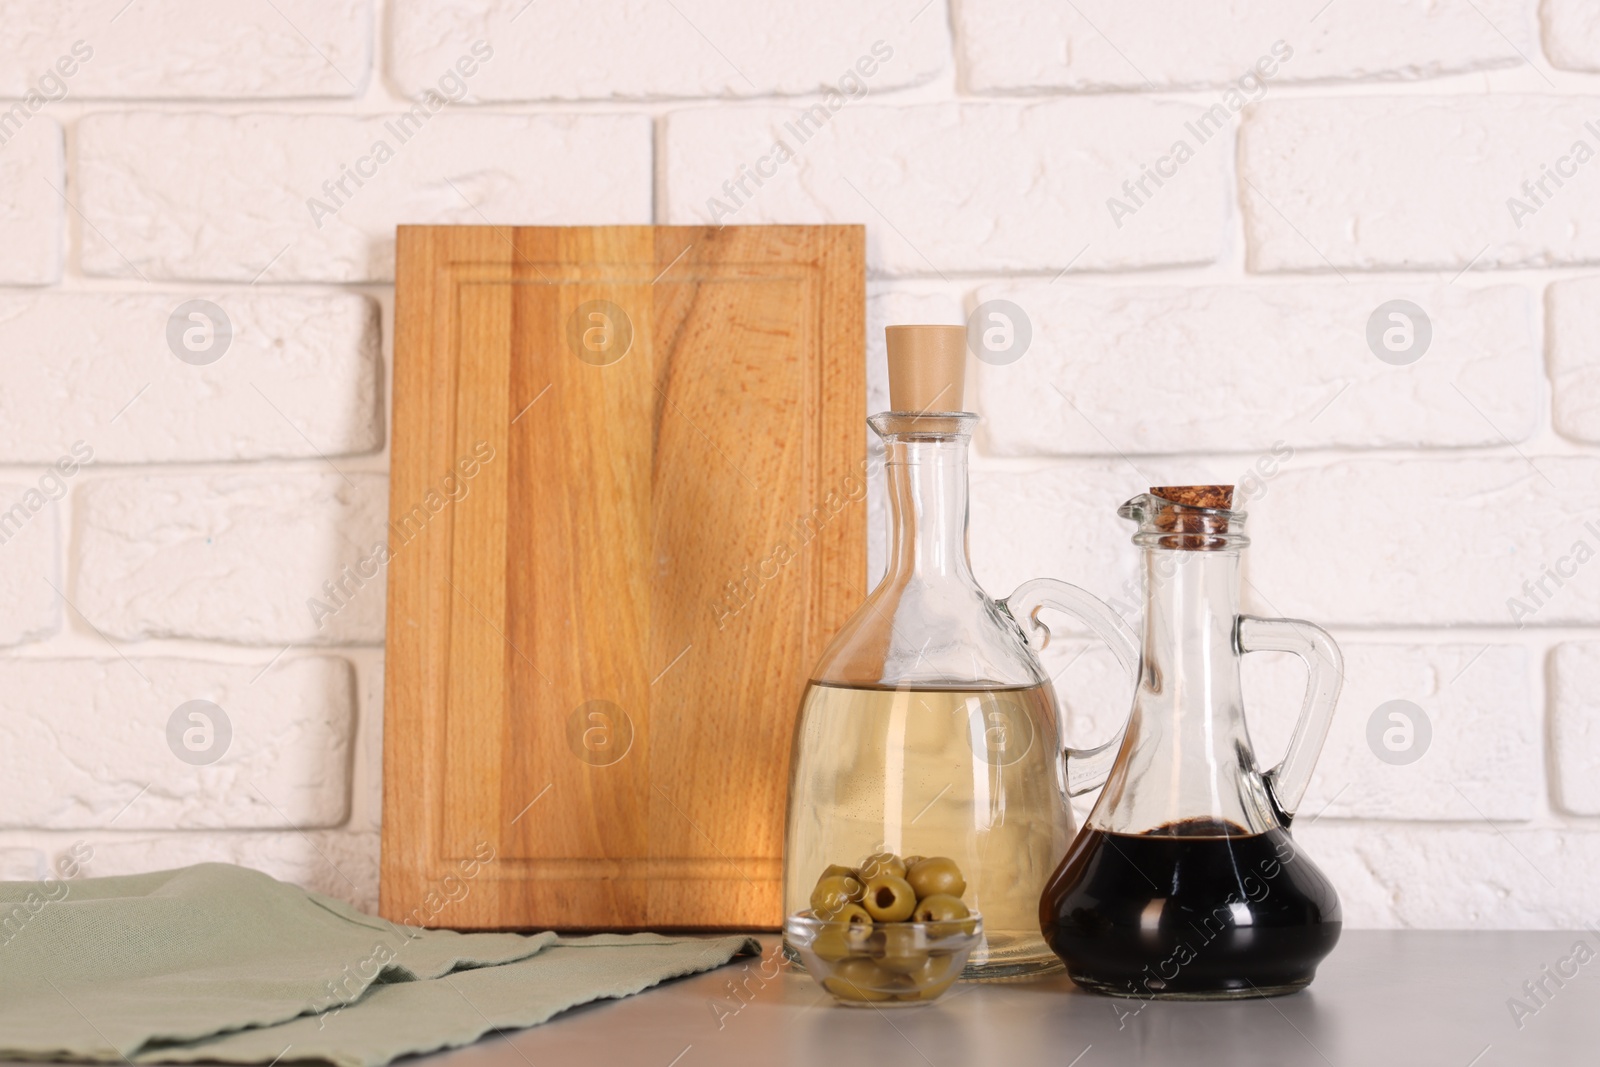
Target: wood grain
x=612, y=564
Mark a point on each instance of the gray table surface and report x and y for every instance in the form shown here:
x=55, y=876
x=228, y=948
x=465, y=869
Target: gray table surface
x=1415, y=998
x=1384, y=997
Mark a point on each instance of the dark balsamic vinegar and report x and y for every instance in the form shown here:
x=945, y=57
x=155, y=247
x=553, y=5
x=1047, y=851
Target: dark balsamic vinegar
x=1193, y=910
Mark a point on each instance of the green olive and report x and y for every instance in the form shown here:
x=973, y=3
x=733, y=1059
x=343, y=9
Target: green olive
x=889, y=899
x=911, y=861
x=849, y=880
x=837, y=871
x=946, y=917
x=832, y=944
x=935, y=976
x=832, y=894
x=941, y=907
x=854, y=914
x=859, y=979
x=900, y=949
x=882, y=863
x=936, y=876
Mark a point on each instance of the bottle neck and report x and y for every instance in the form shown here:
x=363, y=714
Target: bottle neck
x=1191, y=608
x=927, y=477
x=1186, y=765
x=928, y=624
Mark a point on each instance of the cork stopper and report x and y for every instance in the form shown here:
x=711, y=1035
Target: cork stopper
x=927, y=367
x=1196, y=496
x=1193, y=529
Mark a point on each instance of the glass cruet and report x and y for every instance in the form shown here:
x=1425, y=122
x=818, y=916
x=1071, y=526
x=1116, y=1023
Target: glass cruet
x=929, y=727
x=1185, y=882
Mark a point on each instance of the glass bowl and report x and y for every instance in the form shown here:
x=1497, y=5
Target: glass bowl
x=883, y=964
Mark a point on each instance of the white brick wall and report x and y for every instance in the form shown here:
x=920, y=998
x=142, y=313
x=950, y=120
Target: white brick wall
x=1482, y=760
x=285, y=762
x=32, y=183
x=162, y=191
x=1574, y=316
x=1300, y=369
x=622, y=49
x=1420, y=182
x=281, y=375
x=1030, y=46
x=21, y=864
x=30, y=567
x=197, y=49
x=1471, y=877
x=1456, y=540
x=1572, y=34
x=968, y=190
x=1360, y=543
x=1203, y=211
x=234, y=557
x=1575, y=725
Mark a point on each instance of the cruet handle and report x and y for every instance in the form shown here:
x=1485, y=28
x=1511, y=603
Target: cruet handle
x=1287, y=782
x=1086, y=767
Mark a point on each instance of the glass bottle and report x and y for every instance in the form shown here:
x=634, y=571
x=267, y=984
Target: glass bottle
x=929, y=727
x=1185, y=882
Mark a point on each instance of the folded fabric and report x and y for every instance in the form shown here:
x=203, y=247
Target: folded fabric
x=224, y=964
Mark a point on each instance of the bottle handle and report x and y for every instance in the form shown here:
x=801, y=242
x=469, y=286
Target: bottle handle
x=1287, y=782
x=1086, y=767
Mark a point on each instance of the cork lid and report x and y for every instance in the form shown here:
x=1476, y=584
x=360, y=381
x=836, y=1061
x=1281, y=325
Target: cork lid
x=927, y=367
x=1190, y=511
x=1196, y=496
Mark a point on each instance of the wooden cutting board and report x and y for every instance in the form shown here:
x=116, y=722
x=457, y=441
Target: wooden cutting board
x=626, y=518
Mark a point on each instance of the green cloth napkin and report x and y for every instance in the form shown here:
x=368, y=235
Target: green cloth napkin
x=224, y=964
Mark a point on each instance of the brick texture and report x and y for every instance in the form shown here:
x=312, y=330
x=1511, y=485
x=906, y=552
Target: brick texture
x=1571, y=34
x=177, y=49
x=194, y=171
x=237, y=557
x=1575, y=725
x=1135, y=370
x=1317, y=531
x=160, y=377
x=610, y=49
x=21, y=864
x=968, y=191
x=1420, y=183
x=1574, y=343
x=1470, y=877
x=1432, y=543
x=1481, y=759
x=281, y=760
x=30, y=563
x=32, y=185
x=1095, y=45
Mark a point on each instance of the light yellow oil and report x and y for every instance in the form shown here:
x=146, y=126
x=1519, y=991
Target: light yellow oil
x=972, y=774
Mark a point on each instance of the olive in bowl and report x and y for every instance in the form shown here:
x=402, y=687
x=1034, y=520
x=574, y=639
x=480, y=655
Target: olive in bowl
x=884, y=965
x=889, y=930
